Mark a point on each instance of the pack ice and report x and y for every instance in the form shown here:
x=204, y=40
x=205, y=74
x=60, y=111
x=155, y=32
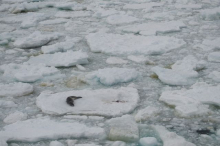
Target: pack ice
x=102, y=102
x=60, y=59
x=131, y=44
x=193, y=102
x=34, y=130
x=183, y=72
x=110, y=76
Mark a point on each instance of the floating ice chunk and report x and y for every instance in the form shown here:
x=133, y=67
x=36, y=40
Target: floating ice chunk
x=32, y=19
x=171, y=138
x=119, y=143
x=214, y=57
x=111, y=76
x=60, y=47
x=215, y=76
x=71, y=142
x=80, y=67
x=188, y=103
x=24, y=7
x=210, y=14
x=211, y=44
x=56, y=143
x=138, y=58
x=74, y=14
x=116, y=60
x=182, y=72
x=102, y=102
x=35, y=39
x=160, y=16
x=15, y=89
x=7, y=104
x=148, y=141
x=218, y=132
x=104, y=13
x=123, y=128
x=14, y=117
x=59, y=59
x=27, y=72
x=34, y=130
x=188, y=6
x=6, y=28
x=70, y=6
x=54, y=21
x=131, y=44
x=142, y=6
x=152, y=28
x=147, y=113
x=120, y=19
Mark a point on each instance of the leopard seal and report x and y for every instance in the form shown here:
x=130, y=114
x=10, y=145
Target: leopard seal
x=70, y=100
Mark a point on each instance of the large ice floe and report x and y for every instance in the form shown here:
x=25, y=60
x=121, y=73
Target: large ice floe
x=74, y=14
x=65, y=59
x=131, y=44
x=153, y=28
x=120, y=19
x=102, y=102
x=35, y=39
x=183, y=72
x=193, y=102
x=123, y=128
x=214, y=57
x=210, y=14
x=170, y=138
x=110, y=76
x=34, y=130
x=29, y=73
x=15, y=89
x=146, y=6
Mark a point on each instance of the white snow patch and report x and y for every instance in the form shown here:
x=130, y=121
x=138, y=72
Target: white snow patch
x=120, y=19
x=110, y=76
x=118, y=143
x=138, y=58
x=59, y=59
x=116, y=60
x=123, y=128
x=210, y=14
x=214, y=57
x=6, y=28
x=170, y=138
x=131, y=44
x=15, y=89
x=54, y=21
x=102, y=102
x=74, y=14
x=147, y=6
x=7, y=104
x=215, y=76
x=35, y=39
x=148, y=141
x=104, y=12
x=211, y=44
x=147, y=113
x=14, y=117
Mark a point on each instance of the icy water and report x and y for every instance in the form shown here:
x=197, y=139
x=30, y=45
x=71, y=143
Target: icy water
x=147, y=71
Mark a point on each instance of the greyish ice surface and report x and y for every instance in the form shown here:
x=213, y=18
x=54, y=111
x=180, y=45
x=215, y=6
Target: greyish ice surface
x=147, y=72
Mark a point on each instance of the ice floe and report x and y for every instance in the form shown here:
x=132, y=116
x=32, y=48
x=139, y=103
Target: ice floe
x=131, y=44
x=54, y=21
x=148, y=141
x=153, y=28
x=115, y=60
x=214, y=57
x=105, y=12
x=74, y=14
x=15, y=89
x=211, y=44
x=119, y=143
x=6, y=28
x=210, y=14
x=147, y=113
x=183, y=72
x=192, y=102
x=110, y=76
x=120, y=19
x=170, y=138
x=123, y=128
x=7, y=104
x=56, y=143
x=215, y=76
x=34, y=130
x=36, y=39
x=138, y=58
x=102, y=102
x=60, y=59
x=147, y=6
x=29, y=73
x=14, y=117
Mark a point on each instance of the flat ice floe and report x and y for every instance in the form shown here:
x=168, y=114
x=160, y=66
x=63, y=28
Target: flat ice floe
x=146, y=6
x=34, y=130
x=192, y=102
x=7, y=104
x=15, y=89
x=14, y=117
x=35, y=39
x=116, y=60
x=153, y=28
x=214, y=57
x=210, y=14
x=131, y=44
x=211, y=44
x=120, y=19
x=74, y=14
x=215, y=76
x=6, y=28
x=147, y=113
x=102, y=102
x=170, y=138
x=54, y=21
x=28, y=73
x=110, y=76
x=183, y=72
x=59, y=59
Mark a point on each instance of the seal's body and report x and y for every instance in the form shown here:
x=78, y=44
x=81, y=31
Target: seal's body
x=70, y=100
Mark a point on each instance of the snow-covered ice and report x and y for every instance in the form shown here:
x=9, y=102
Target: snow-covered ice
x=7, y=104
x=148, y=141
x=147, y=6
x=6, y=28
x=120, y=19
x=147, y=113
x=15, y=89
x=102, y=102
x=110, y=76
x=131, y=44
x=214, y=57
x=14, y=117
x=60, y=59
x=215, y=76
x=115, y=60
x=56, y=143
x=210, y=14
x=74, y=14
x=123, y=128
